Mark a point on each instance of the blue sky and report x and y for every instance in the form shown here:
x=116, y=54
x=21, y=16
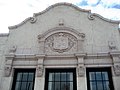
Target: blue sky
x=13, y=12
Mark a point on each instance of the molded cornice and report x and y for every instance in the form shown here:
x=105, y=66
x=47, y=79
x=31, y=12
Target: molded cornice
x=4, y=34
x=91, y=16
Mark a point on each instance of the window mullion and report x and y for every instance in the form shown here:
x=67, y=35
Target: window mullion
x=102, y=80
x=96, y=81
x=21, y=80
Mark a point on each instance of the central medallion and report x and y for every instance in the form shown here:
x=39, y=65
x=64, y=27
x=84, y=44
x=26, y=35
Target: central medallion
x=60, y=42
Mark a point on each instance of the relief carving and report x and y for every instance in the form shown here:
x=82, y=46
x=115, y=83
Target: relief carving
x=81, y=71
x=12, y=50
x=112, y=45
x=60, y=42
x=8, y=70
x=39, y=70
x=117, y=70
x=33, y=20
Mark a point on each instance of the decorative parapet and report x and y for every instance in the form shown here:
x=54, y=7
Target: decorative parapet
x=91, y=16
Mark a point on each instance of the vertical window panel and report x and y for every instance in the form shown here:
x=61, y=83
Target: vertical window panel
x=51, y=76
x=105, y=75
x=93, y=86
x=57, y=86
x=51, y=86
x=100, y=86
x=69, y=76
x=98, y=76
x=92, y=75
x=99, y=79
x=19, y=76
x=30, y=77
x=23, y=79
x=63, y=76
x=18, y=85
x=57, y=76
x=63, y=85
x=24, y=76
x=106, y=85
x=71, y=86
x=23, y=85
x=60, y=79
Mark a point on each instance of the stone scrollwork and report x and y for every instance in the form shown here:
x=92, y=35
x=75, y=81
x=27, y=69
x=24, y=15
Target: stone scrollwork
x=81, y=71
x=117, y=70
x=60, y=42
x=40, y=70
x=33, y=19
x=91, y=16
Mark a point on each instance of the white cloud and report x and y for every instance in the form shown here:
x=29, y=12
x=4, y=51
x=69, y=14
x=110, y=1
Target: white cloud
x=92, y=2
x=108, y=3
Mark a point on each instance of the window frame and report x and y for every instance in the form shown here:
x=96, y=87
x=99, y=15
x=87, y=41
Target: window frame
x=101, y=69
x=61, y=70
x=16, y=71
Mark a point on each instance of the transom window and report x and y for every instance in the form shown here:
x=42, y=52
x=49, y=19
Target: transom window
x=99, y=79
x=24, y=79
x=60, y=79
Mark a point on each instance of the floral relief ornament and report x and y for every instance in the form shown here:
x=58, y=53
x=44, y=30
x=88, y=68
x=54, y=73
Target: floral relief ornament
x=81, y=71
x=117, y=70
x=39, y=71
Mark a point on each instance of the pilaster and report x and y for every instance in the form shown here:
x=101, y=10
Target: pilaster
x=40, y=65
x=116, y=62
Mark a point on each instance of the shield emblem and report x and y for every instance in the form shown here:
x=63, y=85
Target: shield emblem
x=60, y=42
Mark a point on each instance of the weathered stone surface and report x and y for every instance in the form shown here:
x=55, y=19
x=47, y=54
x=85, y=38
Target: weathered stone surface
x=62, y=36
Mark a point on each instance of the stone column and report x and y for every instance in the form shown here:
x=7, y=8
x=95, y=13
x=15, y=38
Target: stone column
x=8, y=79
x=8, y=64
x=39, y=79
x=116, y=62
x=81, y=77
x=115, y=55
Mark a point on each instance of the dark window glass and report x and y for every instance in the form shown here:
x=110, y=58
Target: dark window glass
x=24, y=79
x=99, y=79
x=60, y=79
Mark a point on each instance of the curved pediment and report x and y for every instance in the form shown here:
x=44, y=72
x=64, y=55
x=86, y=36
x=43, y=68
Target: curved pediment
x=63, y=29
x=91, y=16
x=61, y=40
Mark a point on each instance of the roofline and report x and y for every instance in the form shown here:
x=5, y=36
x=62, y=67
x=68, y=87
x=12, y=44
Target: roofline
x=4, y=34
x=90, y=16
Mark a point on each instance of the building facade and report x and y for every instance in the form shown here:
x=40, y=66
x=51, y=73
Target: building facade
x=61, y=48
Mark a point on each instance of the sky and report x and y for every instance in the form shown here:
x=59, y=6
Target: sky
x=13, y=12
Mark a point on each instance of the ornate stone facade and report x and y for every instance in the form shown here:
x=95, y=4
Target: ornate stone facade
x=61, y=37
